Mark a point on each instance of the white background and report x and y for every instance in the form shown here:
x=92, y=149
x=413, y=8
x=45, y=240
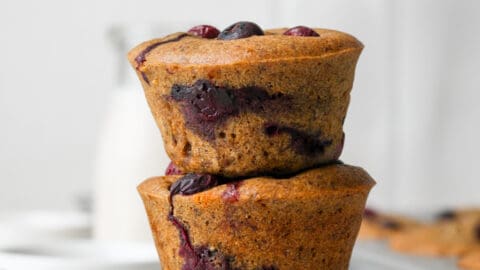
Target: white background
x=412, y=123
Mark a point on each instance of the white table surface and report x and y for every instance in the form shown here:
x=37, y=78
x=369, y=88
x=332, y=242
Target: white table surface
x=141, y=256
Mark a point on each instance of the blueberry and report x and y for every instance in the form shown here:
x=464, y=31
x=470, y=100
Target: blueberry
x=192, y=183
x=446, y=215
x=301, y=31
x=241, y=30
x=172, y=170
x=206, y=100
x=206, y=106
x=204, y=31
x=391, y=225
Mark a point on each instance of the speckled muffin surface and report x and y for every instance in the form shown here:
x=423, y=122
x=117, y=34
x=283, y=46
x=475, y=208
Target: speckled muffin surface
x=307, y=221
x=269, y=104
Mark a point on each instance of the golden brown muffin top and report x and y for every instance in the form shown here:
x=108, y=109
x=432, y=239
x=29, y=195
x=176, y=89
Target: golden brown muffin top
x=182, y=48
x=330, y=178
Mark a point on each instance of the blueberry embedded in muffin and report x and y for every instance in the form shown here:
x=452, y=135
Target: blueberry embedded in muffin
x=192, y=183
x=206, y=106
x=302, y=142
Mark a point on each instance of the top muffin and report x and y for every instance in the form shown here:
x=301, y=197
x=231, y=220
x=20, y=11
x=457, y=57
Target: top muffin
x=246, y=101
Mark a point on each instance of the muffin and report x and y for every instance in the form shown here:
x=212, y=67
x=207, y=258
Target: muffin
x=377, y=225
x=453, y=234
x=307, y=221
x=267, y=103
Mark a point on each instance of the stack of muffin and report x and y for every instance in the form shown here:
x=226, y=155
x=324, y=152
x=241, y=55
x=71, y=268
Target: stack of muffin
x=253, y=123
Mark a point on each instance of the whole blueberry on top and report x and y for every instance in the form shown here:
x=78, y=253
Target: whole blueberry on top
x=241, y=30
x=172, y=170
x=301, y=31
x=204, y=31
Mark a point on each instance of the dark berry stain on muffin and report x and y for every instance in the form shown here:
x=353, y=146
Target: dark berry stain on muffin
x=141, y=57
x=206, y=106
x=231, y=193
x=304, y=143
x=172, y=169
x=196, y=257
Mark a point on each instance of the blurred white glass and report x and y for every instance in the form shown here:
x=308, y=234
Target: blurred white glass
x=130, y=147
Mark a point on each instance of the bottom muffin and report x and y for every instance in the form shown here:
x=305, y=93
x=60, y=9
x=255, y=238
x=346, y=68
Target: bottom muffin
x=306, y=221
